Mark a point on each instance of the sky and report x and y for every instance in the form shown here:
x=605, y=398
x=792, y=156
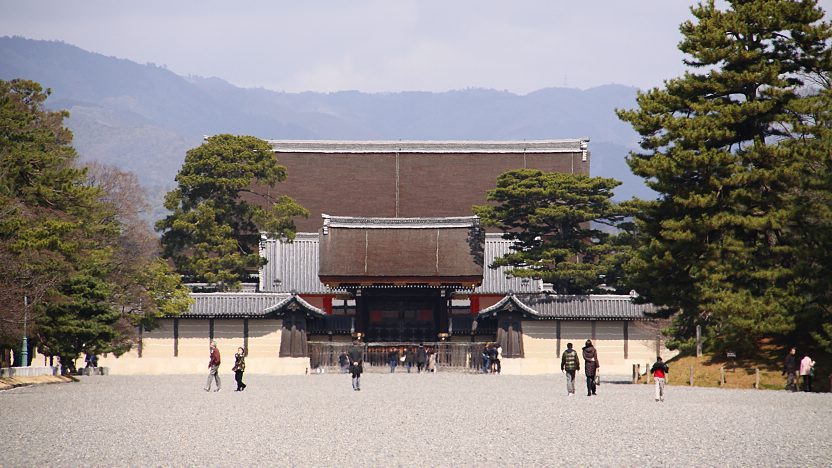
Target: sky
x=376, y=45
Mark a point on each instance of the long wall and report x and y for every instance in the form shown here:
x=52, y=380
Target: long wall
x=543, y=348
x=161, y=352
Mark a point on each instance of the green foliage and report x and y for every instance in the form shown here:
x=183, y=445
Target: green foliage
x=812, y=219
x=61, y=240
x=721, y=244
x=554, y=219
x=221, y=205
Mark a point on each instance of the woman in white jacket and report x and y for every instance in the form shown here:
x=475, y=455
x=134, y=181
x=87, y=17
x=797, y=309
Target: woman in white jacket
x=806, y=371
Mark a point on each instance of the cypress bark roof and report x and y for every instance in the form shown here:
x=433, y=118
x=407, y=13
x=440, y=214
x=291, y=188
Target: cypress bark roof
x=434, y=251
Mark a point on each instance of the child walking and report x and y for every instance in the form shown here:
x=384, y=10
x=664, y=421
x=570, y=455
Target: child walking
x=659, y=371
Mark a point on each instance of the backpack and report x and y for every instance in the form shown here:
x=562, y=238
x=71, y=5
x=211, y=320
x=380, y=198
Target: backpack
x=570, y=360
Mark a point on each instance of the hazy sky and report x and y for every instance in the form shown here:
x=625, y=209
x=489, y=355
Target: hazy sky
x=376, y=45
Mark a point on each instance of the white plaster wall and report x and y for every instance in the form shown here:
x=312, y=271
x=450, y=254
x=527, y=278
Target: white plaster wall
x=542, y=357
x=539, y=342
x=158, y=350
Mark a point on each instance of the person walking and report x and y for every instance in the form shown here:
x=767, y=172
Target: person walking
x=591, y=367
x=486, y=364
x=239, y=368
x=569, y=364
x=659, y=371
x=356, y=355
x=790, y=368
x=409, y=358
x=807, y=370
x=213, y=367
x=393, y=359
x=492, y=358
x=421, y=358
x=344, y=362
x=498, y=353
x=432, y=361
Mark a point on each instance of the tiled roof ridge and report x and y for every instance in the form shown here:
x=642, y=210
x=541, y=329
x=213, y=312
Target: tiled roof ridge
x=583, y=297
x=239, y=294
x=430, y=146
x=367, y=222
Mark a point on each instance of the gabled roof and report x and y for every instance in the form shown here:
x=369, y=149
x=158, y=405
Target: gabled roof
x=295, y=303
x=416, y=146
x=510, y=303
x=247, y=305
x=571, y=307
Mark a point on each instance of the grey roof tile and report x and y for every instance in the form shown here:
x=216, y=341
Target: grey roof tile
x=245, y=305
x=293, y=266
x=557, y=307
x=495, y=280
x=232, y=304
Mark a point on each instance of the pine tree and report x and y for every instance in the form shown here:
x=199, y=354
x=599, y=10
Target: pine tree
x=221, y=205
x=60, y=238
x=718, y=243
x=554, y=219
x=812, y=218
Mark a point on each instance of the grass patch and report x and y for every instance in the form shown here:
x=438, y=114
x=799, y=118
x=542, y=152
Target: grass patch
x=738, y=374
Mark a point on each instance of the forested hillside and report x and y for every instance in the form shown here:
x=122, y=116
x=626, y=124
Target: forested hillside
x=143, y=118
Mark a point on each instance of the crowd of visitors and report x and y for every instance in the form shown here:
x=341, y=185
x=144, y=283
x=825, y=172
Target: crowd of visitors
x=491, y=355
x=424, y=359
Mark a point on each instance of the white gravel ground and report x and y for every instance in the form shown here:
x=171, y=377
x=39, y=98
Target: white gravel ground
x=406, y=420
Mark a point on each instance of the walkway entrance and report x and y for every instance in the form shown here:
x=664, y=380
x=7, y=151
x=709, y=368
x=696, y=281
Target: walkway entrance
x=457, y=357
x=401, y=315
x=401, y=320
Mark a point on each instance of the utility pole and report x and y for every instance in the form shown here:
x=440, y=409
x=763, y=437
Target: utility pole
x=24, y=351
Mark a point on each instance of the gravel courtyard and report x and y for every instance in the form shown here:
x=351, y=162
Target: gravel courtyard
x=406, y=420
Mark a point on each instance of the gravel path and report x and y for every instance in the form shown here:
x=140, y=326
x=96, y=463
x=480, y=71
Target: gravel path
x=406, y=420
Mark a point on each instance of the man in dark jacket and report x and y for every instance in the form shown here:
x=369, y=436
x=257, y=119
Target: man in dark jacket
x=421, y=358
x=393, y=359
x=790, y=367
x=356, y=355
x=408, y=358
x=569, y=363
x=591, y=367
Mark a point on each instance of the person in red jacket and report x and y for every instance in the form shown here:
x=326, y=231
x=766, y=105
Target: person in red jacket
x=659, y=371
x=213, y=366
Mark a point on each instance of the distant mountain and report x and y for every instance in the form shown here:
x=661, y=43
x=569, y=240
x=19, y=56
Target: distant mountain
x=144, y=117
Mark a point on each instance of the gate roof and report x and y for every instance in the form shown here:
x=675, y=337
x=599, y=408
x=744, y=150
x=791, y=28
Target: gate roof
x=401, y=251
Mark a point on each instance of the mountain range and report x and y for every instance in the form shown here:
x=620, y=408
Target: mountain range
x=143, y=117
